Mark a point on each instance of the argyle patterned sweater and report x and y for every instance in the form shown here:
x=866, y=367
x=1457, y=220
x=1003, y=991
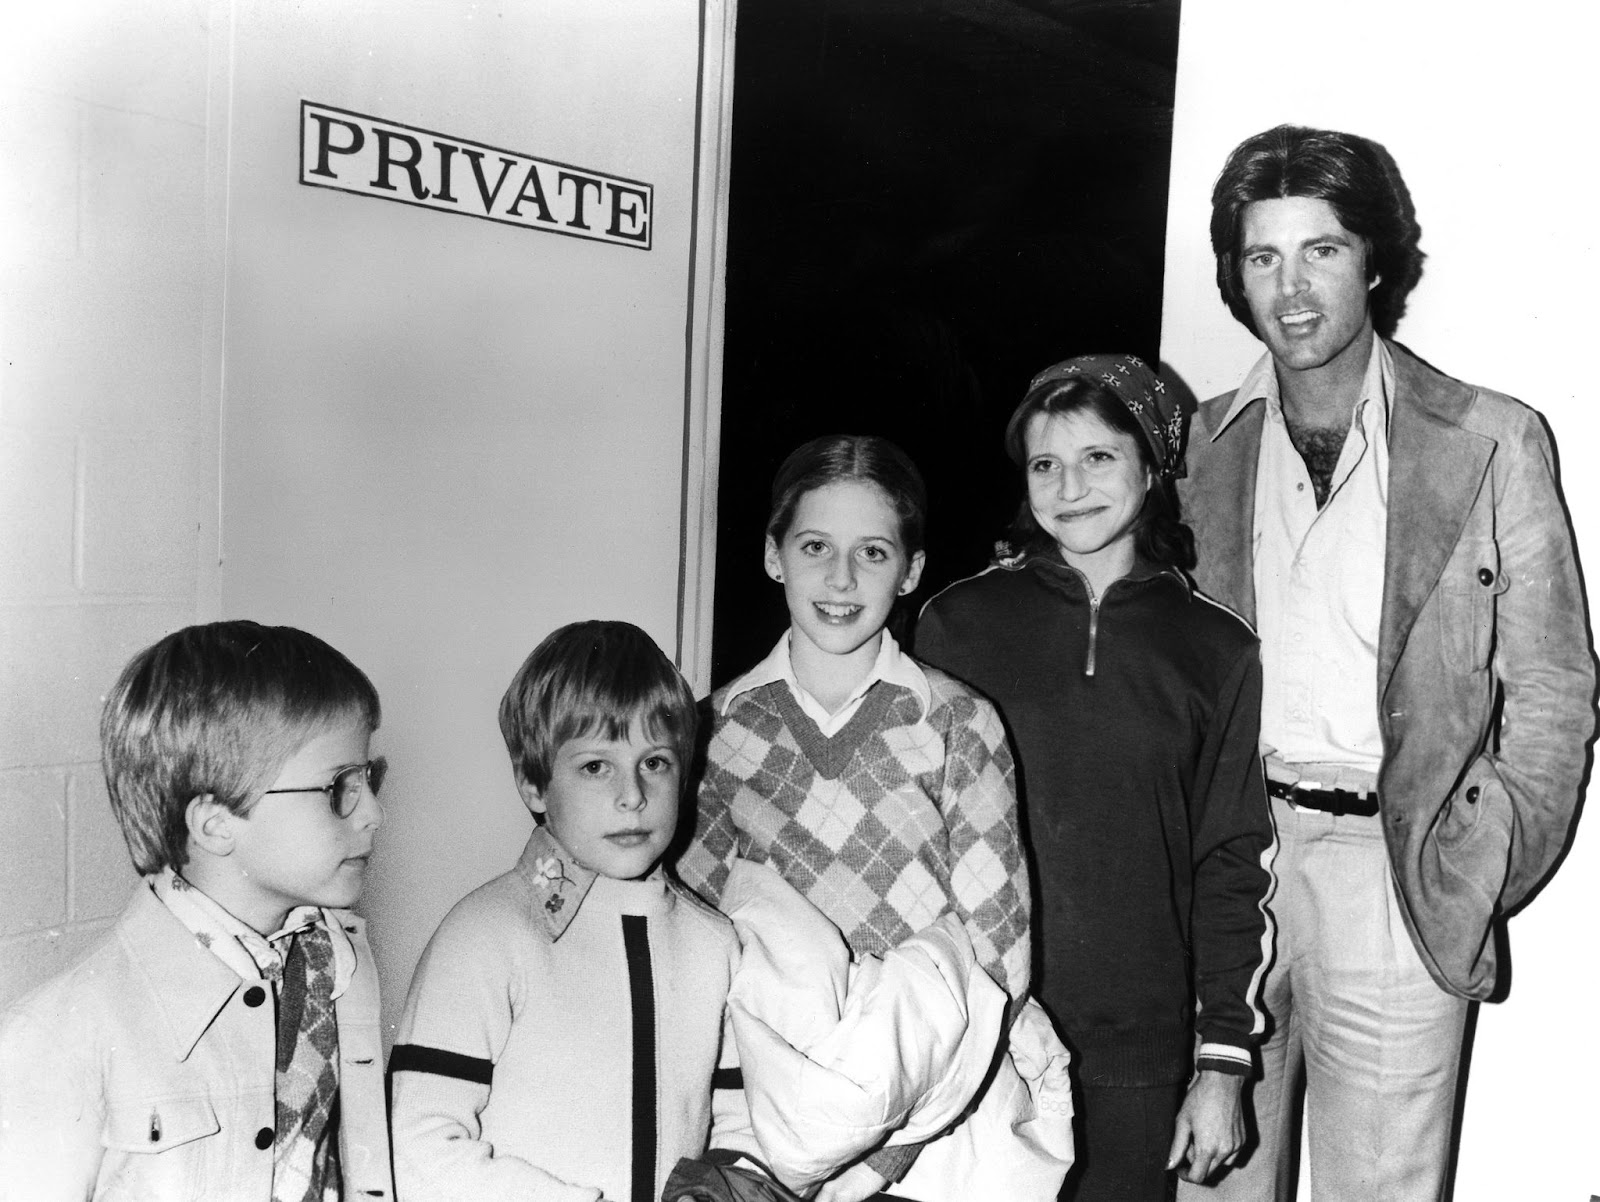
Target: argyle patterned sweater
x=900, y=817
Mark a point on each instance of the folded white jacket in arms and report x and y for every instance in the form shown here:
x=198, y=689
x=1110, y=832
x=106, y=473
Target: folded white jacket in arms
x=836, y=1057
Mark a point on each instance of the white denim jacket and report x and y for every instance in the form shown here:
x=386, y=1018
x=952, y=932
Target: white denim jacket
x=147, y=1071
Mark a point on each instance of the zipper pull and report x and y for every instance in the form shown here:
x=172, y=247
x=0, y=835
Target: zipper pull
x=155, y=1127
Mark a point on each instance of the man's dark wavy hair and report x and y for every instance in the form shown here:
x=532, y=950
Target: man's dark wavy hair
x=1354, y=175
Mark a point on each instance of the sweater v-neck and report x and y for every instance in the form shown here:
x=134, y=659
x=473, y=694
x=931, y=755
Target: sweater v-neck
x=830, y=756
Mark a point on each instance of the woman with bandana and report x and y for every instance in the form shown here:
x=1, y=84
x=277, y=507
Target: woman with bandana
x=1133, y=705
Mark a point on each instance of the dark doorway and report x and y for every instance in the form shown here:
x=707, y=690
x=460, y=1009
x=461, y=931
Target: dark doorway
x=930, y=202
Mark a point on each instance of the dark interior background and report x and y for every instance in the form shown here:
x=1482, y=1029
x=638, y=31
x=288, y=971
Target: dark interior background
x=930, y=202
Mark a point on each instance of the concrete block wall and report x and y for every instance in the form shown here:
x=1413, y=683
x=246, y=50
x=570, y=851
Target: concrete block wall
x=108, y=447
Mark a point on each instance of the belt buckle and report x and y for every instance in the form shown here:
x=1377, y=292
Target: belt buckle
x=1306, y=786
x=1330, y=801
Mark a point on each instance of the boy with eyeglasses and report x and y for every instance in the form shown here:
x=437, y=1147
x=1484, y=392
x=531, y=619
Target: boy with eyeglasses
x=223, y=1040
x=564, y=1024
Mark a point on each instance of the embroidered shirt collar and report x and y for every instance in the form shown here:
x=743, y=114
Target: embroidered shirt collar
x=1261, y=384
x=240, y=946
x=892, y=666
x=559, y=883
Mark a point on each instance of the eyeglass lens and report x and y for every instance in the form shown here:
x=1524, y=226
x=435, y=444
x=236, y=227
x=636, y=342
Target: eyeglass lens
x=347, y=785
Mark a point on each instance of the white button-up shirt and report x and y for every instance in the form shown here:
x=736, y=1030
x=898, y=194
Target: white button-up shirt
x=891, y=664
x=1319, y=585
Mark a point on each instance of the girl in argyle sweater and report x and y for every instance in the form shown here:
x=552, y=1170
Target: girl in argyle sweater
x=880, y=789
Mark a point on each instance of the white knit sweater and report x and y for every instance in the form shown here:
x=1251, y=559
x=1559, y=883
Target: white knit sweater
x=517, y=1075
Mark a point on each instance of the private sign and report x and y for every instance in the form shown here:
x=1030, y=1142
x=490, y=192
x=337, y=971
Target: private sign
x=369, y=156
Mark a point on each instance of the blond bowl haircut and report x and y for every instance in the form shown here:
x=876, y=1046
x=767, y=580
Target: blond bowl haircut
x=216, y=709
x=590, y=676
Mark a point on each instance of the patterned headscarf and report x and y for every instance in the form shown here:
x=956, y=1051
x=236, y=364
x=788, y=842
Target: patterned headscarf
x=1137, y=387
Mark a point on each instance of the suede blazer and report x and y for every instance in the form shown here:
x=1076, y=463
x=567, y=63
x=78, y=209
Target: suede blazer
x=147, y=1071
x=1485, y=686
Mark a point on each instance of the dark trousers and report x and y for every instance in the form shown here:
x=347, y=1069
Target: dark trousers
x=1123, y=1135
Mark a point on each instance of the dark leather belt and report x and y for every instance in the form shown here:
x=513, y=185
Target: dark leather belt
x=1330, y=801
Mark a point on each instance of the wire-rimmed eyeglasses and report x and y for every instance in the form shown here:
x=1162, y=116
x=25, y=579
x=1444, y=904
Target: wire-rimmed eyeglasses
x=344, y=790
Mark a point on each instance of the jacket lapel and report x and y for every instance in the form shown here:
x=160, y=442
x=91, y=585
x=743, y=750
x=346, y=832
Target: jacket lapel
x=1223, y=516
x=1435, y=471
x=187, y=984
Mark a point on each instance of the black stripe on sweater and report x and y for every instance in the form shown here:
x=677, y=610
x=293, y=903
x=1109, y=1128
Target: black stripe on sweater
x=728, y=1078
x=414, y=1058
x=642, y=991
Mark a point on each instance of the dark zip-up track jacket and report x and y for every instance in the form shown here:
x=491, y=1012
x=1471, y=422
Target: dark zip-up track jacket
x=1135, y=720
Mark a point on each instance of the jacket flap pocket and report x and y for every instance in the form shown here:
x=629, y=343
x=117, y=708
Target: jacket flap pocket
x=155, y=1125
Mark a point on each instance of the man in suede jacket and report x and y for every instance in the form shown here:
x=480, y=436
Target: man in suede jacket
x=1399, y=540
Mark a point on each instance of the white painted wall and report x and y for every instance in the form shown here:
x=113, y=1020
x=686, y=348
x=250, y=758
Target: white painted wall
x=443, y=437
x=427, y=438
x=1491, y=116
x=107, y=446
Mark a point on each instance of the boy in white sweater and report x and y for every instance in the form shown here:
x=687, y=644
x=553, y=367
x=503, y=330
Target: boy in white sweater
x=564, y=1024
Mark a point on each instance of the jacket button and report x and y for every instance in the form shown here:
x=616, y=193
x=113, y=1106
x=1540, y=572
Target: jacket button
x=264, y=1138
x=254, y=996
x=1485, y=577
x=1472, y=796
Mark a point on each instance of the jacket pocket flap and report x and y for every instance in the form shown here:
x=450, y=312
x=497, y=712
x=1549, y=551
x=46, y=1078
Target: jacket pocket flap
x=156, y=1126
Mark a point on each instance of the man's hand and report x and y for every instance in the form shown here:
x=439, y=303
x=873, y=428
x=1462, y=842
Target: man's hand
x=856, y=1183
x=1210, y=1127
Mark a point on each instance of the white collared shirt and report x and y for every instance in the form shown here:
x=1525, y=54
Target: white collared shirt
x=1319, y=584
x=891, y=665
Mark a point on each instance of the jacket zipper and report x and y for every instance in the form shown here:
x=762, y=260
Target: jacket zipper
x=1094, y=609
x=1094, y=619
x=1094, y=630
x=1094, y=616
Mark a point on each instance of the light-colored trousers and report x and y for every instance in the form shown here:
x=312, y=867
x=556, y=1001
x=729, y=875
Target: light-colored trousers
x=1357, y=1023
